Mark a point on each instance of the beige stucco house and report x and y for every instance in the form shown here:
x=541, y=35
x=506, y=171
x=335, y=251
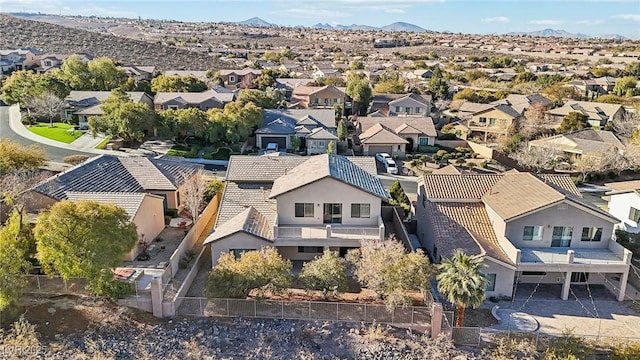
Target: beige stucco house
x=494, y=121
x=299, y=205
x=395, y=135
x=318, y=97
x=527, y=228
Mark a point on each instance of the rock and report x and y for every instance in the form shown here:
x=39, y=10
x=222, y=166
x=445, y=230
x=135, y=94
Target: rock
x=51, y=310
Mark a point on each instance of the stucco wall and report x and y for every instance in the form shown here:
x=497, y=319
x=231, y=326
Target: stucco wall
x=236, y=241
x=327, y=191
x=619, y=207
x=555, y=216
x=504, y=278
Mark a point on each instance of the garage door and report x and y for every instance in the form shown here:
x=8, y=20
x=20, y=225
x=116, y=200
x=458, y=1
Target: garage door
x=380, y=149
x=280, y=140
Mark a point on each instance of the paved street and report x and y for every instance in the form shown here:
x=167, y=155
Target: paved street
x=408, y=183
x=54, y=153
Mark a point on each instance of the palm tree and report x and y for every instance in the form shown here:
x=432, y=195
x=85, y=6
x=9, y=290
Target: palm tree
x=461, y=282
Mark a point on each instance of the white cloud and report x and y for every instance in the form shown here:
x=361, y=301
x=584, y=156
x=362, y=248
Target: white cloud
x=497, y=19
x=545, y=22
x=394, y=11
x=590, y=22
x=629, y=17
x=58, y=7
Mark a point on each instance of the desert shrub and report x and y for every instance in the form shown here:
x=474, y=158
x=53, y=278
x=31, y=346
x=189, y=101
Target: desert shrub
x=75, y=159
x=327, y=273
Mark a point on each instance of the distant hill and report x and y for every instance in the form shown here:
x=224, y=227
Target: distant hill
x=397, y=26
x=565, y=34
x=255, y=21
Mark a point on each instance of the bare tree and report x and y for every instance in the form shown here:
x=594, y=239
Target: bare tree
x=592, y=163
x=193, y=194
x=536, y=158
x=534, y=122
x=627, y=125
x=47, y=105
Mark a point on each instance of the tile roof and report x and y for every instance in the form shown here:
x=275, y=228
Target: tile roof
x=250, y=221
x=194, y=97
x=237, y=197
x=595, y=111
x=380, y=134
x=107, y=173
x=327, y=165
x=623, y=186
x=466, y=226
x=130, y=202
x=529, y=193
x=458, y=187
x=90, y=98
x=265, y=169
x=585, y=141
x=320, y=133
x=285, y=121
x=422, y=123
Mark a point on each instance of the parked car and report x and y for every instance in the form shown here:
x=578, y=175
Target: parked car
x=382, y=157
x=392, y=168
x=271, y=148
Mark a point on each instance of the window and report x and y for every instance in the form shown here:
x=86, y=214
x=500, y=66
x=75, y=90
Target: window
x=304, y=209
x=491, y=282
x=492, y=121
x=483, y=120
x=310, y=249
x=178, y=198
x=561, y=236
x=532, y=233
x=418, y=110
x=172, y=107
x=591, y=234
x=398, y=109
x=332, y=214
x=335, y=100
x=238, y=252
x=634, y=214
x=327, y=101
x=423, y=141
x=360, y=210
x=47, y=63
x=232, y=78
x=316, y=100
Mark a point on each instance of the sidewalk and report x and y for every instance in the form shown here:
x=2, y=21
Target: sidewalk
x=82, y=144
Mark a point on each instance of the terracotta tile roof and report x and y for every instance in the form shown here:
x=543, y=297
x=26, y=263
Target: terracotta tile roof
x=249, y=221
x=464, y=226
x=458, y=187
x=239, y=197
x=326, y=165
x=130, y=202
x=379, y=134
x=623, y=186
x=422, y=123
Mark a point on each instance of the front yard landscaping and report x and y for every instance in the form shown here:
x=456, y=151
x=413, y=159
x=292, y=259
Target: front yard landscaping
x=187, y=152
x=103, y=143
x=218, y=154
x=59, y=132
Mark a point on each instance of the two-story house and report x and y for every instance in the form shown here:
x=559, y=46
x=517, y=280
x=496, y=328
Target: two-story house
x=299, y=205
x=20, y=59
x=81, y=105
x=239, y=79
x=209, y=99
x=624, y=203
x=527, y=228
x=138, y=72
x=50, y=62
x=400, y=105
x=493, y=121
x=585, y=142
x=315, y=127
x=318, y=97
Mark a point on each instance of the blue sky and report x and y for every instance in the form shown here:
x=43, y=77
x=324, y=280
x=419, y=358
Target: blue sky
x=482, y=17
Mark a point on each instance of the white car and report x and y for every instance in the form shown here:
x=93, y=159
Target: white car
x=392, y=168
x=271, y=148
x=382, y=157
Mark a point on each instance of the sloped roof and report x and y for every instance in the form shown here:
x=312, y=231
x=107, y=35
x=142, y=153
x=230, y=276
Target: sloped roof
x=413, y=96
x=320, y=133
x=422, y=123
x=90, y=98
x=258, y=169
x=107, y=173
x=328, y=166
x=379, y=134
x=130, y=202
x=194, y=97
x=585, y=141
x=466, y=226
x=623, y=187
x=508, y=110
x=595, y=111
x=249, y=221
x=308, y=117
x=277, y=126
x=458, y=187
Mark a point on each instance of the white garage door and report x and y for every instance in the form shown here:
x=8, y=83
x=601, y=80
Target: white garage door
x=380, y=149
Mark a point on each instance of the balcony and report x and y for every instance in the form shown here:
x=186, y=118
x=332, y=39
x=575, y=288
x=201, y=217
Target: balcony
x=334, y=233
x=571, y=256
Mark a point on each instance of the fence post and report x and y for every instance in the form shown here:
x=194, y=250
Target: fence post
x=228, y=307
x=365, y=312
x=436, y=319
x=282, y=309
x=338, y=311
x=255, y=308
x=38, y=278
x=479, y=337
x=201, y=308
x=309, y=310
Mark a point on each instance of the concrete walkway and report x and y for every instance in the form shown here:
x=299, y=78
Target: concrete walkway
x=84, y=145
x=86, y=142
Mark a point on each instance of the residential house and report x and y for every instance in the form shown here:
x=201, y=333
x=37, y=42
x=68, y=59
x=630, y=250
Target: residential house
x=288, y=84
x=19, y=59
x=585, y=142
x=315, y=128
x=624, y=204
x=522, y=103
x=395, y=135
x=299, y=205
x=50, y=62
x=400, y=105
x=209, y=99
x=239, y=79
x=493, y=121
x=198, y=74
x=527, y=228
x=599, y=114
x=143, y=186
x=319, y=97
x=81, y=105
x=140, y=72
x=325, y=73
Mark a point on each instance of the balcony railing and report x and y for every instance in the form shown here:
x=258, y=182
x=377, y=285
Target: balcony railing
x=570, y=256
x=329, y=231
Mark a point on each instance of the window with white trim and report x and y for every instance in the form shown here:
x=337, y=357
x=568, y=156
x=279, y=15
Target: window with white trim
x=634, y=214
x=591, y=234
x=491, y=282
x=304, y=210
x=360, y=210
x=532, y=233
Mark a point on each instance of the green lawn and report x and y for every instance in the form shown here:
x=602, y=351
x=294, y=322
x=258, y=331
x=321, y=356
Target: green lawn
x=103, y=143
x=58, y=132
x=219, y=154
x=179, y=150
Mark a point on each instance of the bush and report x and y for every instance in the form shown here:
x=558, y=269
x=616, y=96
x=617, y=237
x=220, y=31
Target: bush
x=483, y=164
x=327, y=273
x=214, y=187
x=263, y=270
x=463, y=149
x=447, y=136
x=104, y=285
x=441, y=153
x=75, y=159
x=409, y=156
x=470, y=164
x=629, y=352
x=167, y=219
x=428, y=148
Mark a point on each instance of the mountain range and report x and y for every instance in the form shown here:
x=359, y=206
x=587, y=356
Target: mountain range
x=565, y=34
x=396, y=26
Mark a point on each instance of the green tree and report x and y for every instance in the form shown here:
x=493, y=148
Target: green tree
x=558, y=93
x=16, y=242
x=609, y=99
x=75, y=73
x=524, y=77
x=359, y=90
x=233, y=123
x=191, y=122
x=263, y=270
x=331, y=147
x=356, y=64
x=15, y=157
x=626, y=86
x=295, y=143
x=461, y=282
x=633, y=69
x=573, y=121
x=385, y=268
x=398, y=196
x=166, y=83
x=546, y=80
x=22, y=85
x=270, y=98
x=438, y=85
x=342, y=130
x=327, y=273
x=105, y=75
x=82, y=239
x=123, y=118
